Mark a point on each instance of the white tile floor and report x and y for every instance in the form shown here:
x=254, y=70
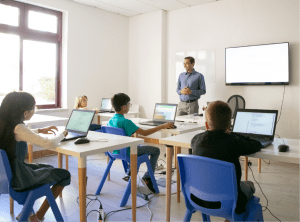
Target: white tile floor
x=279, y=181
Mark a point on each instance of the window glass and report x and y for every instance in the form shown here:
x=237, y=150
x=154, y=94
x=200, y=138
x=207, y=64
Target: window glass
x=9, y=15
x=39, y=70
x=42, y=22
x=9, y=65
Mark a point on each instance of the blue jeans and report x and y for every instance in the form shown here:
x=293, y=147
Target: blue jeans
x=154, y=154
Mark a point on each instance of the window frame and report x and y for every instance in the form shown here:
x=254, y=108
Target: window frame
x=25, y=33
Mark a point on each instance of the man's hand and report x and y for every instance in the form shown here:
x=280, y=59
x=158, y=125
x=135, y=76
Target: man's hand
x=168, y=126
x=48, y=130
x=186, y=91
x=65, y=133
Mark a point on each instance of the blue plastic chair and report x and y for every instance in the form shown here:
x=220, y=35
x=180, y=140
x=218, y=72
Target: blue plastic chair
x=126, y=161
x=210, y=186
x=26, y=198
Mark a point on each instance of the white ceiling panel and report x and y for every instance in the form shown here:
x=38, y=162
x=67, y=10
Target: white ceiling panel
x=167, y=5
x=196, y=2
x=87, y=2
x=121, y=11
x=134, y=5
x=106, y=1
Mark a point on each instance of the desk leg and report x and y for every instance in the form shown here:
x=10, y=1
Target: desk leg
x=67, y=162
x=259, y=165
x=178, y=151
x=60, y=159
x=168, y=182
x=82, y=187
x=30, y=153
x=133, y=165
x=108, y=175
x=11, y=203
x=246, y=168
x=99, y=120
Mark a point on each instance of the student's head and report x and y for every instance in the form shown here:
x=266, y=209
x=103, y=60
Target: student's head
x=15, y=108
x=81, y=102
x=218, y=116
x=189, y=63
x=120, y=102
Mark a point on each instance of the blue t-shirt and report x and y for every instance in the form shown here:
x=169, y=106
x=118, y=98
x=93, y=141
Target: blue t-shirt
x=119, y=121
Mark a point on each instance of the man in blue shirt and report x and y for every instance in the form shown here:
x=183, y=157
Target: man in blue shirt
x=121, y=104
x=190, y=87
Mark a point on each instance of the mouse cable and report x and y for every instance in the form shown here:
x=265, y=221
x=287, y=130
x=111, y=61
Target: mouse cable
x=265, y=207
x=281, y=104
x=280, y=138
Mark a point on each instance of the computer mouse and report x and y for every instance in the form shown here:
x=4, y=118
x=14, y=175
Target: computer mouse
x=82, y=140
x=283, y=148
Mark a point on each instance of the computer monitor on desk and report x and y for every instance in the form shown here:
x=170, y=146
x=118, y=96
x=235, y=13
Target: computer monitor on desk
x=106, y=106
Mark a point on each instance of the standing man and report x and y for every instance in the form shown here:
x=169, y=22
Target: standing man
x=191, y=86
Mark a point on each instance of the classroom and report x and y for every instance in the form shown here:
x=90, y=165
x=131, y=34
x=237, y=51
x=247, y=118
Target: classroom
x=137, y=47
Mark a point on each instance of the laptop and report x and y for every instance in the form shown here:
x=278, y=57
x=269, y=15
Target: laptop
x=79, y=123
x=163, y=113
x=258, y=124
x=106, y=106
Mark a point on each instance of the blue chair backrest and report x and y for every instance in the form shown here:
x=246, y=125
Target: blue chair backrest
x=5, y=173
x=121, y=132
x=208, y=185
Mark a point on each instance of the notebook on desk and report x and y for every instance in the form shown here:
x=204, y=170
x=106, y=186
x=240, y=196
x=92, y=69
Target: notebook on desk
x=257, y=124
x=163, y=113
x=79, y=123
x=106, y=106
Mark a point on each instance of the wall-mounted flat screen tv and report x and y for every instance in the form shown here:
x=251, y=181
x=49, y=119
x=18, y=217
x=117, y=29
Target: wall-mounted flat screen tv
x=257, y=65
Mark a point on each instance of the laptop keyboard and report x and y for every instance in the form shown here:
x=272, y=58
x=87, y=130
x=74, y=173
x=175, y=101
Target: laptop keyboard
x=159, y=122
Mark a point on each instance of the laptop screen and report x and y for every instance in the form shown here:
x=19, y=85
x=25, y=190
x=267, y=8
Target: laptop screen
x=80, y=120
x=106, y=104
x=165, y=112
x=260, y=123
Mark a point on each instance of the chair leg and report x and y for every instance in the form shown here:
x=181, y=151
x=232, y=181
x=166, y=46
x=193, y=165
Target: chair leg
x=54, y=206
x=128, y=190
x=187, y=216
x=151, y=174
x=27, y=207
x=11, y=203
x=205, y=217
x=104, y=176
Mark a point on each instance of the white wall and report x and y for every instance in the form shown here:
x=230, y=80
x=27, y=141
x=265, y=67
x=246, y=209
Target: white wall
x=95, y=52
x=146, y=82
x=231, y=23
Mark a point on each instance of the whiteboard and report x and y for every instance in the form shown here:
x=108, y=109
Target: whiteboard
x=204, y=63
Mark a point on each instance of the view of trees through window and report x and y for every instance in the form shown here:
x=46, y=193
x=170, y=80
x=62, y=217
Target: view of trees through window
x=30, y=52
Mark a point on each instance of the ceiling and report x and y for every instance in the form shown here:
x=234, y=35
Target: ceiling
x=137, y=7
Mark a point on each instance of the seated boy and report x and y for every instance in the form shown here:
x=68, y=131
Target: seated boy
x=121, y=104
x=219, y=143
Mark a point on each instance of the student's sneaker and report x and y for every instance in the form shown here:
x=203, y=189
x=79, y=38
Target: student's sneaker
x=127, y=176
x=148, y=184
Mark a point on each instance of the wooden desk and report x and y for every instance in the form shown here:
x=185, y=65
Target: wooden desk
x=37, y=119
x=271, y=153
x=83, y=150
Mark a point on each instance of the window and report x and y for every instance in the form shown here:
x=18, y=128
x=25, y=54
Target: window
x=30, y=52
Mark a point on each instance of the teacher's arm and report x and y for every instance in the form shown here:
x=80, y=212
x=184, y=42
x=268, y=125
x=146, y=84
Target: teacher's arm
x=202, y=87
x=178, y=86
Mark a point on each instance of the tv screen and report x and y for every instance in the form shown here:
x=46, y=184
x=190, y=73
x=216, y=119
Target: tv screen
x=257, y=65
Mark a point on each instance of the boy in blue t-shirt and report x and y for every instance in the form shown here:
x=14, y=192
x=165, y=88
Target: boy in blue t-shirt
x=121, y=104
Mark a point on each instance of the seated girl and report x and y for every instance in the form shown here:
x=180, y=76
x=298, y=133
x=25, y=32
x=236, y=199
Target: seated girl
x=17, y=107
x=81, y=103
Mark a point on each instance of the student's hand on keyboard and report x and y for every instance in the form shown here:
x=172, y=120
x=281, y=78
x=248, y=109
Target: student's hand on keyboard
x=48, y=130
x=168, y=126
x=65, y=133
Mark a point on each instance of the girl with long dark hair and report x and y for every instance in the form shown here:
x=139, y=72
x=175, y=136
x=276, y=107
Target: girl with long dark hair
x=17, y=107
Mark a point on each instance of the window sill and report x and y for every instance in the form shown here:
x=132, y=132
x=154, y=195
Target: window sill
x=51, y=110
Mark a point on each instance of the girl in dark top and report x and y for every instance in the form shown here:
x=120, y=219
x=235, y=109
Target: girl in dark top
x=15, y=108
x=219, y=143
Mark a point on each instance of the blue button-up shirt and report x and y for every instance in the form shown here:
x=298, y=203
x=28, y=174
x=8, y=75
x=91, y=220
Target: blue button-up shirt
x=195, y=82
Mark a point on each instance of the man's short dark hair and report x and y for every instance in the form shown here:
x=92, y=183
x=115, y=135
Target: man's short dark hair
x=119, y=100
x=218, y=115
x=192, y=60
